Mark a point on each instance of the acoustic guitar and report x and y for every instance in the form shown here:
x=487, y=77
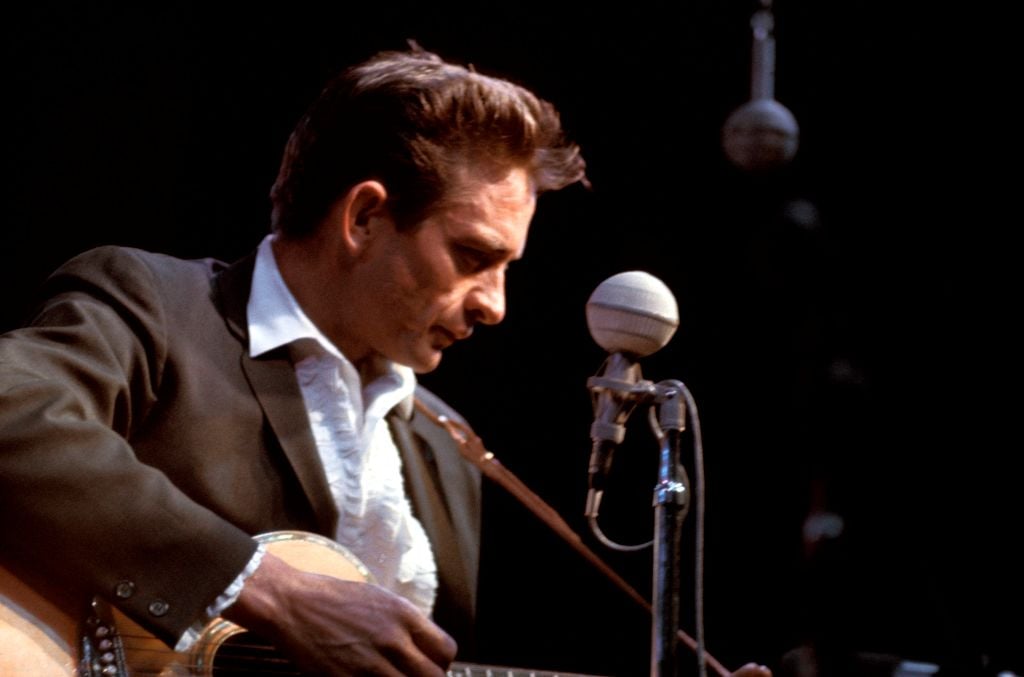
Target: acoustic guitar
x=39, y=638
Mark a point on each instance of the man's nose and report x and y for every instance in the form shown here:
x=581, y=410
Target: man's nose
x=485, y=302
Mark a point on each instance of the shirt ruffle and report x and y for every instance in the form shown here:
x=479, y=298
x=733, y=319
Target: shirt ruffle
x=364, y=472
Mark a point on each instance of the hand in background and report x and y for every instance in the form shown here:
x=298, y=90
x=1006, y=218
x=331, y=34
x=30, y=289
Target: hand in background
x=752, y=670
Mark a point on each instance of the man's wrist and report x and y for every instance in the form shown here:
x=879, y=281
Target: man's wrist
x=259, y=604
x=223, y=602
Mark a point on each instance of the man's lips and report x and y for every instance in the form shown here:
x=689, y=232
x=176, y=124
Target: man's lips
x=444, y=337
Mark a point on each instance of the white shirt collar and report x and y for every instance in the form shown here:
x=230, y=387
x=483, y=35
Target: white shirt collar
x=275, y=317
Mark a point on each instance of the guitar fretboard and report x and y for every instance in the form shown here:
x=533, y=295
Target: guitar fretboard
x=472, y=670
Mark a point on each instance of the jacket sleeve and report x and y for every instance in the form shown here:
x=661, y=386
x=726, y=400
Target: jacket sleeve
x=76, y=504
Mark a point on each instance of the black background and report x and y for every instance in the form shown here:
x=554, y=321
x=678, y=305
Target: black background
x=845, y=320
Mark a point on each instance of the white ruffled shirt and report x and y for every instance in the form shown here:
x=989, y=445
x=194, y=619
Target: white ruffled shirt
x=359, y=456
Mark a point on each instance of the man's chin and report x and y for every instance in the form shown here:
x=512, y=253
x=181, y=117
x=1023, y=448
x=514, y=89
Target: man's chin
x=423, y=364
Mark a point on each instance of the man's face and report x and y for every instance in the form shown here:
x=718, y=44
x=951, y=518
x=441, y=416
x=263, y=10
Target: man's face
x=428, y=286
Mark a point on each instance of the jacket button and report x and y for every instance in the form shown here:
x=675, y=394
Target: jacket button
x=124, y=589
x=159, y=607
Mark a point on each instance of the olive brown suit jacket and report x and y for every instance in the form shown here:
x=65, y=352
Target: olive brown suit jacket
x=141, y=447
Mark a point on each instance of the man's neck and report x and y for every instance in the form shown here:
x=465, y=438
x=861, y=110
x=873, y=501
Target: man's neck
x=314, y=278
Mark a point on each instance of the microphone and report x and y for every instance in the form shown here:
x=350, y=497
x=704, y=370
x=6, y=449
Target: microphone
x=762, y=134
x=631, y=315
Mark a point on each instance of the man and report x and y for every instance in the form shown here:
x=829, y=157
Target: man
x=156, y=414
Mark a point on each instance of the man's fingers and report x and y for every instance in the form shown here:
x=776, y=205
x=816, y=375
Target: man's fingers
x=417, y=664
x=435, y=643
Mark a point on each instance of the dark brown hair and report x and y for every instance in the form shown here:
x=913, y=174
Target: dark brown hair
x=415, y=123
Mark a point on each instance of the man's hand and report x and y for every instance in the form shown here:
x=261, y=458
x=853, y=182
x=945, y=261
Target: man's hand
x=328, y=626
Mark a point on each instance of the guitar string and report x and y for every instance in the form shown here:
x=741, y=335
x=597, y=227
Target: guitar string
x=251, y=658
x=247, y=669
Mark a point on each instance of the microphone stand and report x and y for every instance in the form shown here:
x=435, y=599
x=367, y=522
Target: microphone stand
x=615, y=396
x=671, y=503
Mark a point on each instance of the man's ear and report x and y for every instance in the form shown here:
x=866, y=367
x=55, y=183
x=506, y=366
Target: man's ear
x=360, y=214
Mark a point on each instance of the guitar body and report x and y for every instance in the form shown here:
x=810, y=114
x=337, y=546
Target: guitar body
x=39, y=638
x=43, y=636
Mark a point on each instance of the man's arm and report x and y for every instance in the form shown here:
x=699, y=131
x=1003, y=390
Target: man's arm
x=77, y=504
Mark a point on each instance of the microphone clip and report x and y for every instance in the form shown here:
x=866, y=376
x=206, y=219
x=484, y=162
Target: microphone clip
x=615, y=392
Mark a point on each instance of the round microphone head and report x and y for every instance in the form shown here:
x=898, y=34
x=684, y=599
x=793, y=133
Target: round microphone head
x=633, y=313
x=760, y=135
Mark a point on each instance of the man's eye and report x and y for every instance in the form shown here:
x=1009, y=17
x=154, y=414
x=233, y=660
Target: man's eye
x=472, y=260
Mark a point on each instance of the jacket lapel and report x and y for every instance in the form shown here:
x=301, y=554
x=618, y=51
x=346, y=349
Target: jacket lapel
x=272, y=378
x=444, y=508
x=433, y=463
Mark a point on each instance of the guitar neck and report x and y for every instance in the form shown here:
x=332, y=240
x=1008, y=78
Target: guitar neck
x=474, y=670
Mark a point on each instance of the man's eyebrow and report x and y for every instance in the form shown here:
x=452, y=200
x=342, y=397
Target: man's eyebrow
x=491, y=247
